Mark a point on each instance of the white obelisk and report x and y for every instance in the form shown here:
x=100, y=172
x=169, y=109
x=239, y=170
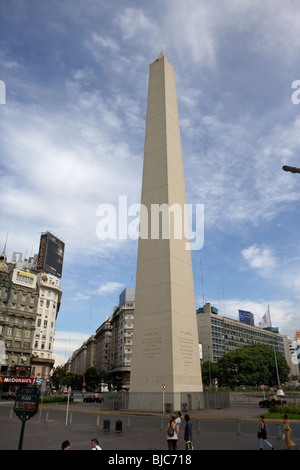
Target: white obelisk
x=165, y=339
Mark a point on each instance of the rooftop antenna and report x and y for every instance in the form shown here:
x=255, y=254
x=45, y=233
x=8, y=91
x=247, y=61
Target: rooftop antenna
x=5, y=242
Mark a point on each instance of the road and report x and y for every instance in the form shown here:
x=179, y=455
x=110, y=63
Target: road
x=234, y=428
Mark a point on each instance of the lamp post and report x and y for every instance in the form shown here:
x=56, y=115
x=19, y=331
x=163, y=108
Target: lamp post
x=292, y=169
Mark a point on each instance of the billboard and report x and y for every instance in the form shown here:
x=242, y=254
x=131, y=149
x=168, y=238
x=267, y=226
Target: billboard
x=24, y=278
x=51, y=254
x=246, y=317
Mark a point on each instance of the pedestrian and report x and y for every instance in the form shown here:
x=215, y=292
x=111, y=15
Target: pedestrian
x=172, y=433
x=66, y=445
x=262, y=433
x=287, y=433
x=95, y=444
x=178, y=422
x=188, y=434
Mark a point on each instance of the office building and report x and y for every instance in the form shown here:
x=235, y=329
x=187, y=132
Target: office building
x=122, y=323
x=103, y=339
x=218, y=334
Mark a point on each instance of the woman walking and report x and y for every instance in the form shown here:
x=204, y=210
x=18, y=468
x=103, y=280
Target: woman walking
x=287, y=433
x=262, y=433
x=172, y=433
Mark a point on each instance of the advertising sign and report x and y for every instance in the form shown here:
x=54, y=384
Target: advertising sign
x=17, y=380
x=27, y=402
x=24, y=279
x=51, y=254
x=246, y=317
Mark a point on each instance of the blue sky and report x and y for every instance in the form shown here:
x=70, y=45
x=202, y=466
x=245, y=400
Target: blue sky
x=72, y=138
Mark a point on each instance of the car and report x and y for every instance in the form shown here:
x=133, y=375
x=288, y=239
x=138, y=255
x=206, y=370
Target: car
x=271, y=401
x=8, y=396
x=93, y=399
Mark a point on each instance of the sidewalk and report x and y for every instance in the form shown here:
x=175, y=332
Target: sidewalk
x=212, y=429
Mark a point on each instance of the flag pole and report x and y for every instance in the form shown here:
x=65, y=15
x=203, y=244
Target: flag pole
x=276, y=365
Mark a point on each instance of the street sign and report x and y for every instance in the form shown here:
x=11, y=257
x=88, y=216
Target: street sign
x=26, y=402
x=163, y=387
x=26, y=406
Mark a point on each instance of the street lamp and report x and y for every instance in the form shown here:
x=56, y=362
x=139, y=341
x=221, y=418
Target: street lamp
x=292, y=169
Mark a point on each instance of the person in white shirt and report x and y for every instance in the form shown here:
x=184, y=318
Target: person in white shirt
x=178, y=422
x=95, y=444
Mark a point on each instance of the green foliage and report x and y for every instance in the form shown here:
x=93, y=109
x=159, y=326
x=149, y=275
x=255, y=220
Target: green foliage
x=55, y=399
x=92, y=378
x=250, y=365
x=288, y=409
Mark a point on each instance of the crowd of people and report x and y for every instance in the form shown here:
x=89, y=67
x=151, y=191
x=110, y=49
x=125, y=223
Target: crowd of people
x=174, y=425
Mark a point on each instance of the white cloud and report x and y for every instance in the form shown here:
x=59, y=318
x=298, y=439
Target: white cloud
x=65, y=343
x=260, y=258
x=134, y=21
x=110, y=288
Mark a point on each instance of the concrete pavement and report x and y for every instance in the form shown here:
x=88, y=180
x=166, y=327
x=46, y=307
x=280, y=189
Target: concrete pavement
x=234, y=428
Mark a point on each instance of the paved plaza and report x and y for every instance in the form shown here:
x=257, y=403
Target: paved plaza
x=233, y=428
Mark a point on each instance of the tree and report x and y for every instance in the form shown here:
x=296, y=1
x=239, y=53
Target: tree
x=92, y=378
x=252, y=365
x=60, y=377
x=209, y=373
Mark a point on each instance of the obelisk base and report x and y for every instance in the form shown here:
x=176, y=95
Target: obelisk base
x=166, y=402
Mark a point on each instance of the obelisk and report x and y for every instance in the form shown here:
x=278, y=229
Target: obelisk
x=165, y=363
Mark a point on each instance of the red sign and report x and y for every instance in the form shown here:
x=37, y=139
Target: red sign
x=17, y=380
x=163, y=387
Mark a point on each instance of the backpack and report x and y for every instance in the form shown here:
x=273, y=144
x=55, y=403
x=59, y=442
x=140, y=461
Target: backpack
x=171, y=431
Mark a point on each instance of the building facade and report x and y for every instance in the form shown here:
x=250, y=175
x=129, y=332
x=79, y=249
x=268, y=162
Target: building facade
x=122, y=333
x=83, y=358
x=103, y=338
x=110, y=349
x=47, y=308
x=18, y=306
x=30, y=298
x=218, y=334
